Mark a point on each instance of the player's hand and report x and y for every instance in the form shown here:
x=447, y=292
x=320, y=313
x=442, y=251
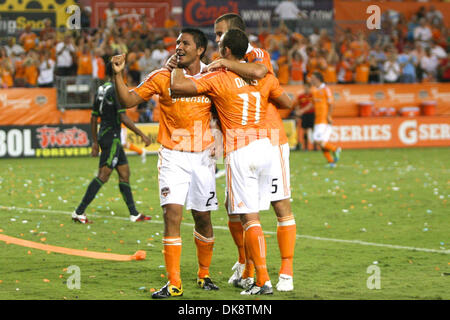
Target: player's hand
x=218, y=64
x=118, y=63
x=146, y=140
x=95, y=150
x=172, y=62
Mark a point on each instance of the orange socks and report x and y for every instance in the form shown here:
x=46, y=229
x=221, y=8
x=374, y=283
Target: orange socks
x=204, y=253
x=328, y=156
x=255, y=246
x=237, y=233
x=134, y=148
x=286, y=235
x=172, y=255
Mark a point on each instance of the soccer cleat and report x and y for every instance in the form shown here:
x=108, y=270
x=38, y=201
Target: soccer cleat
x=244, y=283
x=285, y=283
x=81, y=218
x=337, y=154
x=144, y=156
x=139, y=217
x=220, y=173
x=206, y=284
x=255, y=290
x=169, y=290
x=332, y=165
x=238, y=269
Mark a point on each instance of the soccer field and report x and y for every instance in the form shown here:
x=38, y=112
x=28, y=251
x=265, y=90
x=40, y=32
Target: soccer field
x=382, y=208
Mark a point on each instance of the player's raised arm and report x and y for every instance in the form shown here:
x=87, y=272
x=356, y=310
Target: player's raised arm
x=180, y=85
x=128, y=99
x=253, y=70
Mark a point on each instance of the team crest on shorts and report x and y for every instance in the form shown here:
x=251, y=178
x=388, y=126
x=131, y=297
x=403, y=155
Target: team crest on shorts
x=165, y=191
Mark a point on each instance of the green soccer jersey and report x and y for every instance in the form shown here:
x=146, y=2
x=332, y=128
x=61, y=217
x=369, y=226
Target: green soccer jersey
x=107, y=107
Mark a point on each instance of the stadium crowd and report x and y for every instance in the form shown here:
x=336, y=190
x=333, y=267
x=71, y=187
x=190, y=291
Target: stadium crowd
x=406, y=50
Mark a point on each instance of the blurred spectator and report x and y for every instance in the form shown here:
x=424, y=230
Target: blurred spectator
x=28, y=39
x=6, y=70
x=362, y=68
x=296, y=67
x=391, y=69
x=314, y=37
x=283, y=67
x=288, y=14
x=437, y=50
x=170, y=41
x=408, y=63
x=374, y=70
x=170, y=22
x=111, y=15
x=98, y=65
x=433, y=15
x=444, y=69
x=48, y=31
x=429, y=64
x=31, y=65
x=422, y=33
x=84, y=63
x=65, y=54
x=147, y=64
x=160, y=54
x=46, y=71
x=345, y=69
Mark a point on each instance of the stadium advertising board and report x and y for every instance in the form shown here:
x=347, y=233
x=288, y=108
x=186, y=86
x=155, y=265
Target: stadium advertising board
x=19, y=106
x=12, y=22
x=156, y=11
x=45, y=141
x=202, y=13
x=348, y=96
x=353, y=14
x=396, y=132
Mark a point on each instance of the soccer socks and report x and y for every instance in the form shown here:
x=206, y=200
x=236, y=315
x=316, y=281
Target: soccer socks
x=237, y=233
x=125, y=190
x=255, y=246
x=134, y=148
x=91, y=191
x=286, y=235
x=172, y=255
x=204, y=253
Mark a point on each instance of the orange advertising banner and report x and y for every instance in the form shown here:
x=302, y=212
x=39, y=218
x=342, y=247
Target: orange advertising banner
x=348, y=97
x=395, y=132
x=20, y=106
x=353, y=14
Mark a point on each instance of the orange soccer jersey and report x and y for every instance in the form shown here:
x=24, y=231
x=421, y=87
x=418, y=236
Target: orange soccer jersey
x=184, y=123
x=273, y=121
x=241, y=105
x=322, y=98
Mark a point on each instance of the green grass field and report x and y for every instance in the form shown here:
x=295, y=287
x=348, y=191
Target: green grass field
x=382, y=207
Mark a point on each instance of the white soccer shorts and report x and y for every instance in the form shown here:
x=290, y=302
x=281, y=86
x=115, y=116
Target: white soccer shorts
x=248, y=177
x=281, y=180
x=187, y=178
x=322, y=132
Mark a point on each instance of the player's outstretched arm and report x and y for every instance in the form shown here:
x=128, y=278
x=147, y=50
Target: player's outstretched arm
x=130, y=125
x=180, y=85
x=127, y=98
x=253, y=71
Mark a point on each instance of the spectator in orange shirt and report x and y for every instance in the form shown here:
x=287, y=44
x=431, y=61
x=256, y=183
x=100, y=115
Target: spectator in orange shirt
x=84, y=71
x=362, y=70
x=170, y=41
x=283, y=67
x=296, y=66
x=28, y=39
x=6, y=69
x=345, y=69
x=170, y=22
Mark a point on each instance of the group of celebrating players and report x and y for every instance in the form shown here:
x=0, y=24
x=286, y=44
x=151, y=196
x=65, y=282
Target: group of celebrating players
x=241, y=94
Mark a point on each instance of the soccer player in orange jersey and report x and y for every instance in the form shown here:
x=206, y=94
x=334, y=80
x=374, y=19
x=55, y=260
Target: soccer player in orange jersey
x=323, y=106
x=242, y=110
x=257, y=66
x=185, y=167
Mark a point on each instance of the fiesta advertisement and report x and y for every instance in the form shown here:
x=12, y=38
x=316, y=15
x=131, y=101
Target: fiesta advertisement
x=45, y=141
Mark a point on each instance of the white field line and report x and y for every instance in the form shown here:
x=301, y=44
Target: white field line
x=363, y=243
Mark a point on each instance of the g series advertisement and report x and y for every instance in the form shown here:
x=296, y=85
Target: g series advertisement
x=45, y=141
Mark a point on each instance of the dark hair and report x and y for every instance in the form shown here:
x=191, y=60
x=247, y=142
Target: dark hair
x=318, y=75
x=199, y=38
x=237, y=41
x=234, y=21
x=109, y=69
